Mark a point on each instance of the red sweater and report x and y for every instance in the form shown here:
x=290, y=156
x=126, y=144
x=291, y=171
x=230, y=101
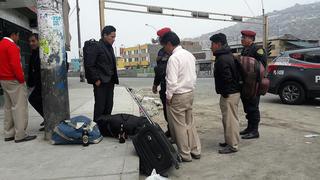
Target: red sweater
x=10, y=63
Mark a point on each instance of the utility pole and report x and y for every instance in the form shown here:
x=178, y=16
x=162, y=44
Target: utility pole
x=79, y=44
x=55, y=96
x=265, y=27
x=101, y=12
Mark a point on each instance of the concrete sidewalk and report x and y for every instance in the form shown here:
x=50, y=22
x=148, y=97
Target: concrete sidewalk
x=39, y=159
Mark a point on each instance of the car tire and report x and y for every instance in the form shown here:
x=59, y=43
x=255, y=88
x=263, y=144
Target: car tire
x=292, y=93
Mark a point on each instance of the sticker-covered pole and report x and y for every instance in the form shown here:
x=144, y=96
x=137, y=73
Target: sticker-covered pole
x=53, y=64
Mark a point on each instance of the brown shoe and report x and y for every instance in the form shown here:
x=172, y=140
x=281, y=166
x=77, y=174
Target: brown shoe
x=186, y=160
x=9, y=139
x=194, y=156
x=28, y=138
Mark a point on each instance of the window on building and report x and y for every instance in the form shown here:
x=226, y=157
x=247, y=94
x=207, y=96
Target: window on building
x=130, y=59
x=143, y=50
x=136, y=59
x=136, y=51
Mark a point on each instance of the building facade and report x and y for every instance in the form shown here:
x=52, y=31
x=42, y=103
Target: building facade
x=140, y=56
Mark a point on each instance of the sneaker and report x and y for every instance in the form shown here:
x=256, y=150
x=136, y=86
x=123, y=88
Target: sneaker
x=228, y=150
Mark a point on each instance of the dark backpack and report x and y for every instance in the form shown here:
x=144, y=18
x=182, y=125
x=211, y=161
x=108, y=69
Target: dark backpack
x=252, y=80
x=89, y=45
x=110, y=125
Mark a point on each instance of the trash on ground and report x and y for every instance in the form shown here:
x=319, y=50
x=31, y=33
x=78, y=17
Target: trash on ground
x=155, y=176
x=311, y=135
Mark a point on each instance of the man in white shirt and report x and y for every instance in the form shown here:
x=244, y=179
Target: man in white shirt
x=181, y=79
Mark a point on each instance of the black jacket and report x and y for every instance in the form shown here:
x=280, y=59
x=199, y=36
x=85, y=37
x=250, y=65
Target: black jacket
x=255, y=52
x=100, y=64
x=34, y=73
x=225, y=72
x=160, y=69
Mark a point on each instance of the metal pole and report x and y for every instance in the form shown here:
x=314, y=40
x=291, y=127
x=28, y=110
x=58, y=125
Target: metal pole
x=265, y=32
x=79, y=43
x=101, y=12
x=53, y=66
x=265, y=27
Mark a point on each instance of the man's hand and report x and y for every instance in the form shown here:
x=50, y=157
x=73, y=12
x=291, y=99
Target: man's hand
x=225, y=95
x=155, y=89
x=97, y=83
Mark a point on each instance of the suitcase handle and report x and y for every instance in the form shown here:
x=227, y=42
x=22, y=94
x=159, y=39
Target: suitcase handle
x=140, y=105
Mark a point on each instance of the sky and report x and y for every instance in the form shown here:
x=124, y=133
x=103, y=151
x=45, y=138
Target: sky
x=132, y=29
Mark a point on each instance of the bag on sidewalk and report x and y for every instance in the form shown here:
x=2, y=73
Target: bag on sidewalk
x=70, y=131
x=253, y=81
x=153, y=147
x=110, y=125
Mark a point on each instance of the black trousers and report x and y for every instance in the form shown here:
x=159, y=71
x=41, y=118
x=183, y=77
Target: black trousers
x=35, y=100
x=163, y=98
x=251, y=108
x=103, y=97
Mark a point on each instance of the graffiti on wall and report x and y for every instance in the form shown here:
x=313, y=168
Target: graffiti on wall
x=52, y=43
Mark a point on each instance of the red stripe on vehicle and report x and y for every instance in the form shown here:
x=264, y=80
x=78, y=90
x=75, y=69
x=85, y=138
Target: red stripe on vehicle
x=307, y=66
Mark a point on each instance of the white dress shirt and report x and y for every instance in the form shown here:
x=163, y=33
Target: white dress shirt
x=181, y=72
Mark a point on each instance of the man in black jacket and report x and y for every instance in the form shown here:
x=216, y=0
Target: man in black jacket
x=101, y=71
x=251, y=106
x=34, y=76
x=160, y=75
x=227, y=84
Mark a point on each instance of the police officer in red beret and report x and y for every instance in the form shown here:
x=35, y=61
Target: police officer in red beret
x=251, y=106
x=160, y=75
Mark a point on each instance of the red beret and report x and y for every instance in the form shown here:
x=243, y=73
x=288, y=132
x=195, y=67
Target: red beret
x=248, y=33
x=163, y=31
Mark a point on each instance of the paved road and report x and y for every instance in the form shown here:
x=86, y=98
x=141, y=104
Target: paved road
x=282, y=152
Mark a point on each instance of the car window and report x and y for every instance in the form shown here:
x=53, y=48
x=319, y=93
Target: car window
x=308, y=56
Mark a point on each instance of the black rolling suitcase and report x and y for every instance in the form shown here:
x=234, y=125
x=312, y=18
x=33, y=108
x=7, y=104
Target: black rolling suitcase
x=153, y=147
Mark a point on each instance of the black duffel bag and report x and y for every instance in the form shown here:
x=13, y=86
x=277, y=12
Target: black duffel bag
x=110, y=125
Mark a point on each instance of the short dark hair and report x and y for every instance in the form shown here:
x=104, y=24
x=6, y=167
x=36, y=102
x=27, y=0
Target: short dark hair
x=107, y=30
x=9, y=31
x=171, y=37
x=36, y=35
x=219, y=38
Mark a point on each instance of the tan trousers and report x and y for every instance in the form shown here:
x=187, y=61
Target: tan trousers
x=182, y=125
x=15, y=109
x=230, y=120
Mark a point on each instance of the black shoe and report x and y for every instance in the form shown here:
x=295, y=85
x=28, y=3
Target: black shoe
x=42, y=124
x=194, y=156
x=28, y=138
x=228, y=150
x=9, y=139
x=223, y=144
x=41, y=129
x=245, y=131
x=251, y=135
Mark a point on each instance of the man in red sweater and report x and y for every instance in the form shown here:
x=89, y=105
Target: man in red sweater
x=14, y=89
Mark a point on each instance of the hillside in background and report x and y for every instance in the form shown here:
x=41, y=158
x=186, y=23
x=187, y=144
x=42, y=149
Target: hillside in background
x=302, y=21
